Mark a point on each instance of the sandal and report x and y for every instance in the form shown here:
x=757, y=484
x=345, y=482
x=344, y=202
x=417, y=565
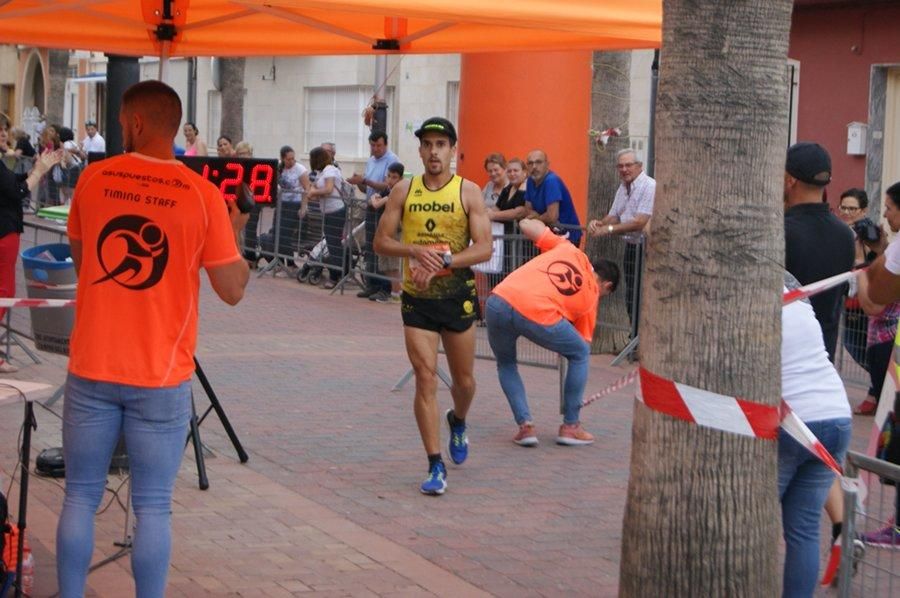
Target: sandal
x=867, y=407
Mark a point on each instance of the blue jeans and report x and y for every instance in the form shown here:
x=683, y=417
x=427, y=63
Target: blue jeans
x=505, y=325
x=155, y=423
x=803, y=483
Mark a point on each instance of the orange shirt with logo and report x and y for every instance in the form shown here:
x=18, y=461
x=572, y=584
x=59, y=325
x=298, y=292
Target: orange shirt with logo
x=559, y=283
x=146, y=227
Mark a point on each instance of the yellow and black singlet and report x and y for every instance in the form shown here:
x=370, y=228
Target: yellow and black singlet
x=437, y=218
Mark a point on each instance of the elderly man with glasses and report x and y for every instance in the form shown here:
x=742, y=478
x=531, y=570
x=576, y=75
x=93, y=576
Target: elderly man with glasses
x=628, y=217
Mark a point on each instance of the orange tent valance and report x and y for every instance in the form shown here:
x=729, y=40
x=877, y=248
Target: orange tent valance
x=300, y=27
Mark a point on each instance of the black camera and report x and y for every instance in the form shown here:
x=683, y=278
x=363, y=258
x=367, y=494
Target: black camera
x=244, y=200
x=866, y=230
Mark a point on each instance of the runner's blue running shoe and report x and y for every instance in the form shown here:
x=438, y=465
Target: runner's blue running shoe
x=459, y=442
x=436, y=482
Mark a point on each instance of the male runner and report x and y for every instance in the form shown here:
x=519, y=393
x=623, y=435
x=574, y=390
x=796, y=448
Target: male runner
x=440, y=214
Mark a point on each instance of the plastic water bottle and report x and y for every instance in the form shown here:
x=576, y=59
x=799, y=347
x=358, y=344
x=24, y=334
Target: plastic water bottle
x=27, y=572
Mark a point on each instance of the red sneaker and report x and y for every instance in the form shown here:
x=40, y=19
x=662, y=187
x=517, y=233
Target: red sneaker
x=573, y=435
x=526, y=436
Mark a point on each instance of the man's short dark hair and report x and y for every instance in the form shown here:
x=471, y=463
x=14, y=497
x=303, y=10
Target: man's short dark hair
x=66, y=134
x=894, y=193
x=861, y=196
x=607, y=271
x=376, y=135
x=397, y=168
x=158, y=103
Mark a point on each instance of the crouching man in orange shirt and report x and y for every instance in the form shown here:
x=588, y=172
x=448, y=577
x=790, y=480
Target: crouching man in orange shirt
x=552, y=301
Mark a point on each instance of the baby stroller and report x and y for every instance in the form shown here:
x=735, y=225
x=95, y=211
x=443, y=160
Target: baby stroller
x=310, y=273
x=313, y=269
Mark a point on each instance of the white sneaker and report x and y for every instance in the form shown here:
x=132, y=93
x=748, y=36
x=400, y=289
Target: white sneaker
x=7, y=368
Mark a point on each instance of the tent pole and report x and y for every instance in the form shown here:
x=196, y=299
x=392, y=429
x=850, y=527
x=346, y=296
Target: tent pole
x=164, y=60
x=192, y=90
x=651, y=144
x=121, y=73
x=379, y=122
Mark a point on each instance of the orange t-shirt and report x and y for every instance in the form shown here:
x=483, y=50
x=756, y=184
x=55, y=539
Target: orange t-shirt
x=146, y=227
x=557, y=284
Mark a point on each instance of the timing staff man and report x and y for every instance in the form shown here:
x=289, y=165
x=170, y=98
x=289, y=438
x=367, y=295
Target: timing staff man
x=141, y=226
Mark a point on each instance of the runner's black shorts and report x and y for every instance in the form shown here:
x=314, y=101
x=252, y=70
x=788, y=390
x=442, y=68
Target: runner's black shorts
x=455, y=314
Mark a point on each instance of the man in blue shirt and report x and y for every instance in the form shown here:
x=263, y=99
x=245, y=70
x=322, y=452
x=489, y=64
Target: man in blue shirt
x=548, y=199
x=372, y=183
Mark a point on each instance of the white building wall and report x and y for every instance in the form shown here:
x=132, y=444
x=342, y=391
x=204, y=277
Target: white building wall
x=9, y=65
x=639, y=115
x=274, y=106
x=422, y=93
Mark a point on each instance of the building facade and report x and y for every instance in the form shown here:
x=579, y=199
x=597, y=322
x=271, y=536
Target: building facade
x=848, y=57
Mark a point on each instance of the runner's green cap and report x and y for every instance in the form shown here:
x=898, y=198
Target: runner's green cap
x=436, y=124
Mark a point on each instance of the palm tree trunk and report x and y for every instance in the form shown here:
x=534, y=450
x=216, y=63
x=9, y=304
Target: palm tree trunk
x=702, y=517
x=58, y=70
x=610, y=99
x=232, y=124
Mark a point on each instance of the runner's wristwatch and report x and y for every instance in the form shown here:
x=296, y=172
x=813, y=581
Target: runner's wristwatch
x=447, y=258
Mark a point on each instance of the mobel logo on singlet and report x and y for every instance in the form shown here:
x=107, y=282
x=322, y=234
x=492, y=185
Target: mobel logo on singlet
x=434, y=206
x=565, y=277
x=133, y=251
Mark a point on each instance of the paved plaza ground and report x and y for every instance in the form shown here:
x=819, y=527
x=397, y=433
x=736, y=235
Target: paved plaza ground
x=328, y=502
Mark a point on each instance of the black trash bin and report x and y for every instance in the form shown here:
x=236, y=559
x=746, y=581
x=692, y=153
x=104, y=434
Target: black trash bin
x=50, y=274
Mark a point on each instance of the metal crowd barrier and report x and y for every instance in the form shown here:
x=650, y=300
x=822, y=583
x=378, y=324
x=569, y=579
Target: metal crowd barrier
x=314, y=247
x=850, y=356
x=360, y=265
x=620, y=312
x=869, y=568
x=364, y=270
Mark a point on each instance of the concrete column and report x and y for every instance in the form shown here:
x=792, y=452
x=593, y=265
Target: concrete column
x=516, y=102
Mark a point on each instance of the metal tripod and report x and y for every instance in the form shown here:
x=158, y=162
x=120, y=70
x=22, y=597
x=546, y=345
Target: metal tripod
x=194, y=432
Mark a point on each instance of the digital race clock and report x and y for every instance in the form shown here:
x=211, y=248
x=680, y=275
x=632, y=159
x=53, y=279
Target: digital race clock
x=229, y=174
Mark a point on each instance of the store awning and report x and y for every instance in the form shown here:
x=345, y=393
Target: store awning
x=91, y=78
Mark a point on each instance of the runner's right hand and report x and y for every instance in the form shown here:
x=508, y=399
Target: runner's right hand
x=428, y=258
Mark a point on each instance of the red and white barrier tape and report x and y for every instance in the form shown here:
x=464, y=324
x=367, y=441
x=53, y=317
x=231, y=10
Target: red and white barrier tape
x=707, y=409
x=720, y=412
x=814, y=288
x=19, y=302
x=794, y=426
x=617, y=385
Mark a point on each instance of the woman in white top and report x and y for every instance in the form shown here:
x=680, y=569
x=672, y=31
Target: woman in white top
x=495, y=166
x=488, y=274
x=327, y=191
x=293, y=177
x=814, y=391
x=293, y=182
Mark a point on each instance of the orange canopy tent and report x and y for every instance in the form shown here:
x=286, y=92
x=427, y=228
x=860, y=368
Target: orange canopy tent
x=302, y=27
